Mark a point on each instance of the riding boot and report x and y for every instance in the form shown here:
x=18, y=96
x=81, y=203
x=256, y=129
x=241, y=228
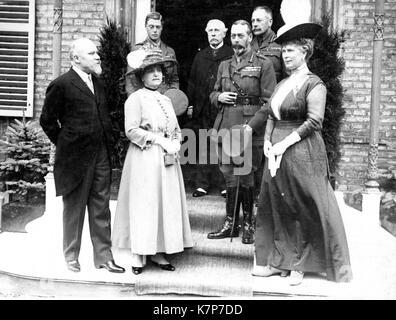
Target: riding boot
x=226, y=231
x=247, y=207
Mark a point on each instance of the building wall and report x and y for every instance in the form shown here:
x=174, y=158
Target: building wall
x=86, y=18
x=358, y=52
x=80, y=18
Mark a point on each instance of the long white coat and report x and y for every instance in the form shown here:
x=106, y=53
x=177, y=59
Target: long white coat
x=151, y=214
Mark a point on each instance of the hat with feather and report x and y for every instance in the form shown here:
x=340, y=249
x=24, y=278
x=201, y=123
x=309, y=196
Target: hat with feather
x=140, y=59
x=296, y=15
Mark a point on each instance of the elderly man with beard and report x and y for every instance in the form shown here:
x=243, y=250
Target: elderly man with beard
x=244, y=84
x=76, y=119
x=200, y=85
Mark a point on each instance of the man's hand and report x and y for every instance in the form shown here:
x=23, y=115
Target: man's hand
x=227, y=97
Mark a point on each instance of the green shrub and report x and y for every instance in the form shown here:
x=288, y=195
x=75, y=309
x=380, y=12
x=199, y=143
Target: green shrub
x=27, y=157
x=329, y=65
x=113, y=51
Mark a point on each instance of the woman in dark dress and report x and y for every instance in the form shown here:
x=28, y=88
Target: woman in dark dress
x=299, y=227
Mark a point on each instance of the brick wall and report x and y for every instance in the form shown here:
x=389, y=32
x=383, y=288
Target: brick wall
x=358, y=54
x=80, y=18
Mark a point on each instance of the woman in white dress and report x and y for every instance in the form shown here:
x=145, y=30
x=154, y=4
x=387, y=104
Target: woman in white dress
x=151, y=216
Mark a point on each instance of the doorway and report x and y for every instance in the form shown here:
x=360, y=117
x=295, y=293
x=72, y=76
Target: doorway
x=185, y=22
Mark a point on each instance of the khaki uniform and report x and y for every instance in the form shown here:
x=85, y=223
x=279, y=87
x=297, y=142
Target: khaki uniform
x=255, y=79
x=268, y=48
x=171, y=78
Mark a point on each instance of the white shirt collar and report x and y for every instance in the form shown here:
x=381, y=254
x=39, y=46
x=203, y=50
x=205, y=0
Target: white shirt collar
x=218, y=47
x=83, y=75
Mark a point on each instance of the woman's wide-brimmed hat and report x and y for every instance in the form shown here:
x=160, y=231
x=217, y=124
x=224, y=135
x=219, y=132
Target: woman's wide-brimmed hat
x=289, y=32
x=140, y=59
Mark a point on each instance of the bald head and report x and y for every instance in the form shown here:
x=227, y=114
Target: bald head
x=84, y=55
x=216, y=31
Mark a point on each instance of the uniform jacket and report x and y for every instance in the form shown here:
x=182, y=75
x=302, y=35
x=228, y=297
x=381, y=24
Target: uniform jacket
x=76, y=121
x=201, y=82
x=255, y=75
x=171, y=78
x=271, y=50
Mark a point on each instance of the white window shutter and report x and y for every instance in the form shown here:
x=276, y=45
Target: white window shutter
x=17, y=57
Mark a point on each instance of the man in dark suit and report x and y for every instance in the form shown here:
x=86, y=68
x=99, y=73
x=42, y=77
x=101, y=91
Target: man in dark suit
x=154, y=26
x=75, y=118
x=200, y=84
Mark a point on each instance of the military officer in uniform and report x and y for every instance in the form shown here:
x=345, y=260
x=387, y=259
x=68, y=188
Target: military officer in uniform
x=154, y=25
x=244, y=83
x=263, y=41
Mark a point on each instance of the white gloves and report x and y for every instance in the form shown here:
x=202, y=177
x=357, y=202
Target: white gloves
x=267, y=147
x=170, y=146
x=275, y=152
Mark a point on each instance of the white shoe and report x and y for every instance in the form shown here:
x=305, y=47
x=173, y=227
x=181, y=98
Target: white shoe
x=296, y=277
x=266, y=271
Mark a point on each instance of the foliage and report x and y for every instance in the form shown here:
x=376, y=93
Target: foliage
x=328, y=65
x=113, y=51
x=27, y=161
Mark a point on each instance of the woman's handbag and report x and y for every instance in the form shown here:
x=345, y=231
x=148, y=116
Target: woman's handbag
x=169, y=159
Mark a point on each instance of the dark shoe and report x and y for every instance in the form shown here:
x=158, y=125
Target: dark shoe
x=137, y=270
x=111, y=267
x=199, y=192
x=73, y=265
x=167, y=267
x=227, y=231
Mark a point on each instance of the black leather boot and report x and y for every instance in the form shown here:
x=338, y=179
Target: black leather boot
x=225, y=230
x=247, y=207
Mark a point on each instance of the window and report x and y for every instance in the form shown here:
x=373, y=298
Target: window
x=16, y=58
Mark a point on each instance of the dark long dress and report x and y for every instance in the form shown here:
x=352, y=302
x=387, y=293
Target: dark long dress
x=299, y=226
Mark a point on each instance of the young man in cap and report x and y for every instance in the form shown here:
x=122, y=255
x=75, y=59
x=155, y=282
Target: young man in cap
x=154, y=26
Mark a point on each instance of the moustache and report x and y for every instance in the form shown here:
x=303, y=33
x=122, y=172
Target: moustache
x=238, y=46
